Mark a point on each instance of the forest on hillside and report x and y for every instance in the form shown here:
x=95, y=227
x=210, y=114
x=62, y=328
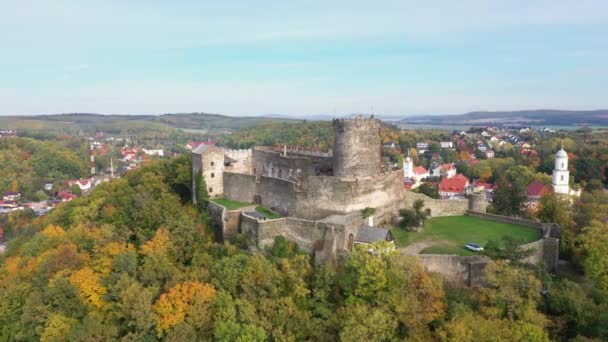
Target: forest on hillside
x=27, y=164
x=135, y=261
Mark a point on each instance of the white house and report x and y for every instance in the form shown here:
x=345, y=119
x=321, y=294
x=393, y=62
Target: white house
x=160, y=152
x=444, y=170
x=446, y=144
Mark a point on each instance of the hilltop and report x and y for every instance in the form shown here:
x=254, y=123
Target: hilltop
x=522, y=117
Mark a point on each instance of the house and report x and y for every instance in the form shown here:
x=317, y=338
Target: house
x=420, y=173
x=158, y=152
x=444, y=170
x=65, y=196
x=368, y=235
x=422, y=146
x=494, y=139
x=536, y=190
x=11, y=196
x=191, y=145
x=48, y=186
x=446, y=144
x=479, y=186
x=455, y=186
x=489, y=153
x=390, y=145
x=129, y=155
x=83, y=184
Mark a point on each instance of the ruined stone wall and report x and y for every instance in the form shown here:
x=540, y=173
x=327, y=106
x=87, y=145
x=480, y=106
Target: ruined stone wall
x=239, y=187
x=477, y=202
x=290, y=167
x=453, y=267
x=323, y=196
x=357, y=147
x=225, y=223
x=243, y=163
x=277, y=194
x=437, y=207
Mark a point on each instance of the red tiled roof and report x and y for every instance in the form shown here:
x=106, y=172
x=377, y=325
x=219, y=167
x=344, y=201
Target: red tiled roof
x=538, y=189
x=420, y=170
x=485, y=185
x=455, y=184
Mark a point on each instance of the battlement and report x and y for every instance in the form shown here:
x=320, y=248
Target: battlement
x=357, y=122
x=357, y=146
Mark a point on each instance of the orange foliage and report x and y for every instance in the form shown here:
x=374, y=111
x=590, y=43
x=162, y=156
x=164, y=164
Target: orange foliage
x=106, y=255
x=171, y=307
x=53, y=231
x=158, y=244
x=464, y=155
x=91, y=290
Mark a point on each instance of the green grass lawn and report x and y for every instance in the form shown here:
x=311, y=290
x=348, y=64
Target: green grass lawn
x=267, y=212
x=449, y=234
x=230, y=204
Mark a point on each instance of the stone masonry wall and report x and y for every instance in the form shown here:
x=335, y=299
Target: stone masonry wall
x=290, y=167
x=244, y=161
x=323, y=196
x=239, y=187
x=437, y=207
x=225, y=222
x=356, y=151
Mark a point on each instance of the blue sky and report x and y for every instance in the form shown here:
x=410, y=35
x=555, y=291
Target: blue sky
x=301, y=57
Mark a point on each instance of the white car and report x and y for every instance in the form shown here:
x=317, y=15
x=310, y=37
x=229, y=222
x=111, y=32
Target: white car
x=474, y=247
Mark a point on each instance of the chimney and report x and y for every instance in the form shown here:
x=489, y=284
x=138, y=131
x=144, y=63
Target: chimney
x=370, y=221
x=284, y=150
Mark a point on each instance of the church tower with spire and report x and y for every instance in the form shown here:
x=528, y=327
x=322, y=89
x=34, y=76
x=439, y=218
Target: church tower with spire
x=561, y=175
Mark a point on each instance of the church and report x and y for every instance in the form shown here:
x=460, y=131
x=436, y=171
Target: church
x=561, y=175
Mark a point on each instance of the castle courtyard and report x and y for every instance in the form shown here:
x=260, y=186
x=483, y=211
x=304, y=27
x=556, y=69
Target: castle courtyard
x=449, y=234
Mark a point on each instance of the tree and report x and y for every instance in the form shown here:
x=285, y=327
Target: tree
x=554, y=208
x=509, y=250
x=509, y=198
x=75, y=189
x=360, y=322
x=202, y=197
x=429, y=190
x=408, y=219
x=172, y=306
x=595, y=245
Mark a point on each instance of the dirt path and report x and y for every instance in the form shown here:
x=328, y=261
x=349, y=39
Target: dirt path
x=417, y=247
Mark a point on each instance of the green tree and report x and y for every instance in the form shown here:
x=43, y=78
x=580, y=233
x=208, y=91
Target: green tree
x=429, y=190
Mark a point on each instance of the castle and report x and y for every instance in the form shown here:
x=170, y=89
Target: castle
x=320, y=193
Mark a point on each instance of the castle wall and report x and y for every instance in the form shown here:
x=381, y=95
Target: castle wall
x=323, y=196
x=225, y=223
x=437, y=207
x=357, y=147
x=290, y=167
x=277, y=194
x=244, y=161
x=239, y=187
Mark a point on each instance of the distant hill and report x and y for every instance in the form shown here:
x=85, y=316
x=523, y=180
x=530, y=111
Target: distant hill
x=523, y=117
x=85, y=122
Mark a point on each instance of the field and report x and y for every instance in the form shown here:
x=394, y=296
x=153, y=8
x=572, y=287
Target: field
x=448, y=235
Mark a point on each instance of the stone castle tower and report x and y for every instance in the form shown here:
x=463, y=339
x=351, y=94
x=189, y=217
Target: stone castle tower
x=561, y=175
x=356, y=150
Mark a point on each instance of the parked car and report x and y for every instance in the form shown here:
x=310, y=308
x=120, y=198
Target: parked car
x=473, y=247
